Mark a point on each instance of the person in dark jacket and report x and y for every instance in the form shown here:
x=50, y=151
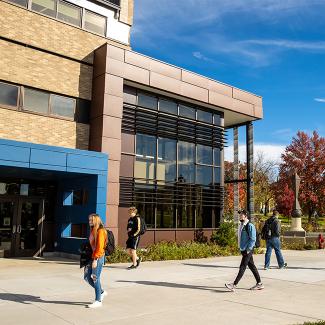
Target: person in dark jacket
x=272, y=231
x=133, y=229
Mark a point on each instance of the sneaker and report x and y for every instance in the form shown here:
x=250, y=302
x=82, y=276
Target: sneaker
x=132, y=267
x=139, y=261
x=230, y=286
x=266, y=268
x=95, y=304
x=103, y=295
x=258, y=286
x=283, y=266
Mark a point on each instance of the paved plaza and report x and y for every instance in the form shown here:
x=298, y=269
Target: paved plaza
x=51, y=291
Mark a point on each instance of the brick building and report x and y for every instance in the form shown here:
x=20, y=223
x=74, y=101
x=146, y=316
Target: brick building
x=89, y=125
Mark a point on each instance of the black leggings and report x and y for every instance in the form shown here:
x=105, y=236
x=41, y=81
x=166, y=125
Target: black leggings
x=247, y=260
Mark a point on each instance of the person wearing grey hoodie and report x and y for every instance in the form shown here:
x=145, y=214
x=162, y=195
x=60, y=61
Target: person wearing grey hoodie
x=246, y=243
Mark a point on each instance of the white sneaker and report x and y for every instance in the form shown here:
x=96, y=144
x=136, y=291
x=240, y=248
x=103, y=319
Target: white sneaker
x=230, y=286
x=103, y=295
x=95, y=304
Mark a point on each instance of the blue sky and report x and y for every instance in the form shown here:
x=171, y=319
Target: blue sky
x=274, y=48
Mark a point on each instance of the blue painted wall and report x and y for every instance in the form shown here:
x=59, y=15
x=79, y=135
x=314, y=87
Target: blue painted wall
x=81, y=170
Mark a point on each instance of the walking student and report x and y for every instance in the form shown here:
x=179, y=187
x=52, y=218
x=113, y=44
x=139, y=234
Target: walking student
x=271, y=233
x=97, y=240
x=133, y=229
x=246, y=242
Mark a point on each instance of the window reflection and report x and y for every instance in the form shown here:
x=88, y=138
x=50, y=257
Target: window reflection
x=187, y=111
x=203, y=175
x=186, y=160
x=166, y=159
x=204, y=154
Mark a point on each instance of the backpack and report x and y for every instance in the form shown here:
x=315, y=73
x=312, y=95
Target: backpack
x=268, y=231
x=258, y=237
x=110, y=244
x=143, y=226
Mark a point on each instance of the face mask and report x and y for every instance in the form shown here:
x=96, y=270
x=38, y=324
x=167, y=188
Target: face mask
x=242, y=221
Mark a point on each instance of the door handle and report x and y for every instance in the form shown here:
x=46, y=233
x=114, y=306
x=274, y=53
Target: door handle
x=13, y=229
x=19, y=229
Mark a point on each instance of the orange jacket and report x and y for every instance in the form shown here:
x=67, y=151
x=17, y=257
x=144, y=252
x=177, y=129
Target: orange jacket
x=99, y=247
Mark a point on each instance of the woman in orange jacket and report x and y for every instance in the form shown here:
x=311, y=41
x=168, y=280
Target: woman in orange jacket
x=97, y=239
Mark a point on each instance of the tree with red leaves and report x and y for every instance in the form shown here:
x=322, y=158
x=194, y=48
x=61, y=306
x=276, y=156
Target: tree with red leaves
x=306, y=156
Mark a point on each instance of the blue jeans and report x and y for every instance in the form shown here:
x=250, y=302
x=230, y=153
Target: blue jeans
x=275, y=243
x=92, y=276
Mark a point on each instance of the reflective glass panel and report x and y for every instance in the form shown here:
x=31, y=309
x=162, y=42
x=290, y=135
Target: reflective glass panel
x=95, y=23
x=187, y=111
x=216, y=156
x=46, y=7
x=147, y=101
x=204, y=154
x=204, y=116
x=203, y=175
x=186, y=160
x=69, y=13
x=63, y=106
x=166, y=159
x=8, y=94
x=36, y=101
x=167, y=106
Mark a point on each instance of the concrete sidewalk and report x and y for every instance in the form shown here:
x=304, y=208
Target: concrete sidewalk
x=52, y=291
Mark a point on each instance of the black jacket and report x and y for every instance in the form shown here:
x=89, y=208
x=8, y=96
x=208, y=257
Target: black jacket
x=275, y=226
x=134, y=226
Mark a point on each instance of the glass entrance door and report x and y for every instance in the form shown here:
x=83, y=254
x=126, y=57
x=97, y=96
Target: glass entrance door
x=29, y=228
x=8, y=213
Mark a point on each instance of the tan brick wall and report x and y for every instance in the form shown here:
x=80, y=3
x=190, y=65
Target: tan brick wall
x=126, y=14
x=34, y=128
x=34, y=68
x=46, y=33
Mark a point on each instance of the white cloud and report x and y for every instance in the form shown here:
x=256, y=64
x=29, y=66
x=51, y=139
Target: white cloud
x=321, y=100
x=270, y=152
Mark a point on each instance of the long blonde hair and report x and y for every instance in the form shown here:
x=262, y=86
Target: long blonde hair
x=97, y=224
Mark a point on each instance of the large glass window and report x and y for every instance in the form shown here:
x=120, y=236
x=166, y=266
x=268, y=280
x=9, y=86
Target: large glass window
x=166, y=159
x=204, y=217
x=168, y=106
x=8, y=95
x=166, y=216
x=144, y=167
x=204, y=116
x=186, y=160
x=187, y=111
x=204, y=154
x=186, y=216
x=46, y=7
x=145, y=194
x=36, y=101
x=19, y=2
x=69, y=13
x=95, y=23
x=217, y=175
x=203, y=175
x=63, y=106
x=147, y=101
x=217, y=119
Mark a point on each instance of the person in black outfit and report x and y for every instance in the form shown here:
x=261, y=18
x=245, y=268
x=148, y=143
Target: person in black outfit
x=133, y=229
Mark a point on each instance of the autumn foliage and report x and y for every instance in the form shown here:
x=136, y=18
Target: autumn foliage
x=306, y=156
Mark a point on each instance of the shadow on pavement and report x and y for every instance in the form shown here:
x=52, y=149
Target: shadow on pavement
x=177, y=285
x=28, y=299
x=211, y=265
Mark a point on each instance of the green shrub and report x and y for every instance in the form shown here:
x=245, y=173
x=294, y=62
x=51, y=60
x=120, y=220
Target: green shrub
x=225, y=235
x=175, y=251
x=299, y=246
x=315, y=323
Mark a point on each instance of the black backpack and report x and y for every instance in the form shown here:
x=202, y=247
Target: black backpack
x=110, y=244
x=143, y=226
x=268, y=230
x=258, y=237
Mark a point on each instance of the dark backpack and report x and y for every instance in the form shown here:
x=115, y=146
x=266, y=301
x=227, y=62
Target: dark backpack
x=268, y=230
x=110, y=244
x=258, y=237
x=143, y=226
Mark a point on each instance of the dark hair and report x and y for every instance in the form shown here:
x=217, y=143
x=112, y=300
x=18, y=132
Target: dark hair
x=242, y=212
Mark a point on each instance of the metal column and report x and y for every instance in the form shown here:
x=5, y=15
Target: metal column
x=236, y=175
x=250, y=168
